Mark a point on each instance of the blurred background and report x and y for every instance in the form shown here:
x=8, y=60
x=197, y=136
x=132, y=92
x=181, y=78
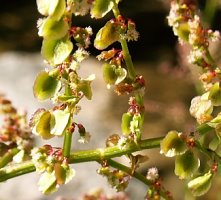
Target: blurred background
x=156, y=55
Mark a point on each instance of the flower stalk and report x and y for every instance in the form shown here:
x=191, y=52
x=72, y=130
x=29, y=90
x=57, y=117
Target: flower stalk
x=126, y=53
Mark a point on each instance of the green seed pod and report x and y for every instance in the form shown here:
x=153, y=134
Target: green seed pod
x=125, y=123
x=200, y=185
x=113, y=75
x=186, y=165
x=60, y=173
x=100, y=8
x=107, y=35
x=53, y=8
x=109, y=74
x=43, y=127
x=49, y=28
x=215, y=94
x=85, y=87
x=173, y=144
x=45, y=86
x=47, y=183
x=61, y=121
x=56, y=51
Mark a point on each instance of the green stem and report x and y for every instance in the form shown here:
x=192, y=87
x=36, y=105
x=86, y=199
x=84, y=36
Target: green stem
x=128, y=60
x=115, y=151
x=126, y=53
x=88, y=155
x=4, y=160
x=67, y=144
x=15, y=170
x=82, y=156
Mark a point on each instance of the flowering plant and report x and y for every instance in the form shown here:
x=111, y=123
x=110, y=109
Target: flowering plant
x=64, y=47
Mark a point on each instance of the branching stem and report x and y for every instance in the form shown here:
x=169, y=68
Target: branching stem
x=82, y=156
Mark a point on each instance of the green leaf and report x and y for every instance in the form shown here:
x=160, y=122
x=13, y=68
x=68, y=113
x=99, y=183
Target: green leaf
x=53, y=8
x=47, y=183
x=61, y=120
x=45, y=86
x=125, y=123
x=186, y=165
x=200, y=185
x=215, y=94
x=49, y=28
x=107, y=35
x=100, y=8
x=173, y=144
x=43, y=127
x=56, y=51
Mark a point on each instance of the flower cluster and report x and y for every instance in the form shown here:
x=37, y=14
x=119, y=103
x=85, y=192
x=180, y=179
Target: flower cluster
x=15, y=134
x=188, y=27
x=53, y=167
x=116, y=178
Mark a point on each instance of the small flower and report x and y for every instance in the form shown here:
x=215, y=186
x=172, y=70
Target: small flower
x=213, y=35
x=81, y=7
x=196, y=56
x=152, y=174
x=80, y=54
